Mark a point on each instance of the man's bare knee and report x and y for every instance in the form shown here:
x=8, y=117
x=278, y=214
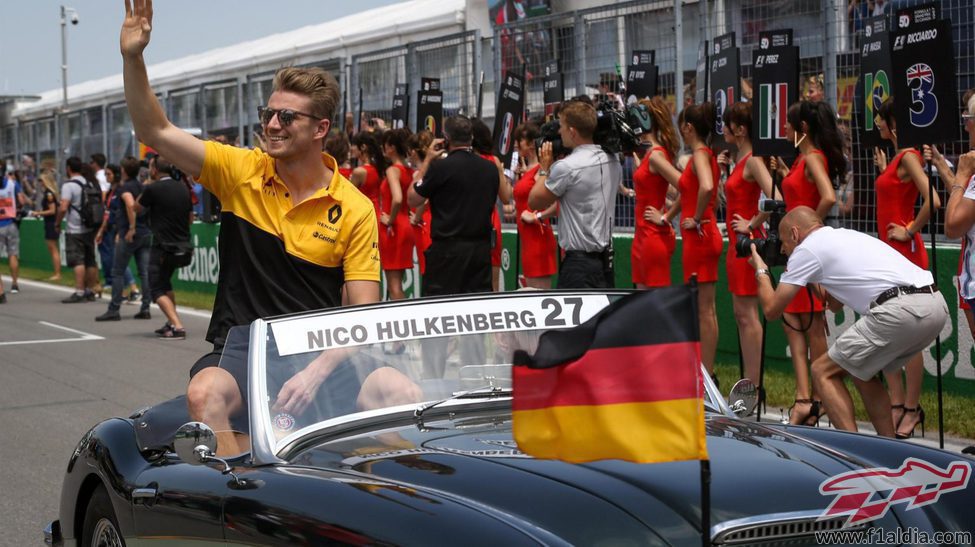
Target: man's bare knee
x=212, y=390
x=387, y=387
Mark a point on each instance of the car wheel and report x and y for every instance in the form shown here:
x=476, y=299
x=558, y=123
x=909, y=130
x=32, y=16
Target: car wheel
x=100, y=526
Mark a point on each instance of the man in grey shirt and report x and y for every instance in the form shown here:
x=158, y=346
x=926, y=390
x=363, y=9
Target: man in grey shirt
x=79, y=240
x=585, y=184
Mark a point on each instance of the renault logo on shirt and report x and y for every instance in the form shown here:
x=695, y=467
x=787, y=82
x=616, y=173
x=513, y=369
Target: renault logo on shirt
x=335, y=213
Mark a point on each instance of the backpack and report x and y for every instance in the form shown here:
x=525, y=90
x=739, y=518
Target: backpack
x=92, y=210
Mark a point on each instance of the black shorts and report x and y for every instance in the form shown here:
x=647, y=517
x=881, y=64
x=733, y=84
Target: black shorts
x=457, y=267
x=580, y=270
x=162, y=266
x=50, y=231
x=80, y=249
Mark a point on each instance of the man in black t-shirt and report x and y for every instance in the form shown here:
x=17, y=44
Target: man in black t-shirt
x=170, y=214
x=133, y=240
x=462, y=189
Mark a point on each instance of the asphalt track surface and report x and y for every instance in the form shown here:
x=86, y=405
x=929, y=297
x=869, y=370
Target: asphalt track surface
x=61, y=373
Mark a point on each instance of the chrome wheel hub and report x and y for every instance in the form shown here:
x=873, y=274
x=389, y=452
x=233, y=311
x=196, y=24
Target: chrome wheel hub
x=105, y=535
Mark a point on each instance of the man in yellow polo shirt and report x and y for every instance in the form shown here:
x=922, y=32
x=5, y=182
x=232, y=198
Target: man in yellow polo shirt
x=293, y=231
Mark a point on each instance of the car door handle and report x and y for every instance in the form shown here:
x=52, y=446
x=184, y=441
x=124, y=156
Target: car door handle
x=145, y=496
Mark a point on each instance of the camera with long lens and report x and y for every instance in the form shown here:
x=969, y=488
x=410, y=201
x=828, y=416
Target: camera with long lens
x=549, y=132
x=616, y=130
x=769, y=248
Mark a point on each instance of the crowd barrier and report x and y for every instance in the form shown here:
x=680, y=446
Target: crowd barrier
x=956, y=343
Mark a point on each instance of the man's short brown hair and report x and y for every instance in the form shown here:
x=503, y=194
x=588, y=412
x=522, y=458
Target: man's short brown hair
x=581, y=116
x=313, y=82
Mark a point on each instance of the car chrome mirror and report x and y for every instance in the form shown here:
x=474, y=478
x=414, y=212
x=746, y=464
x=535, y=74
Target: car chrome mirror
x=743, y=398
x=195, y=443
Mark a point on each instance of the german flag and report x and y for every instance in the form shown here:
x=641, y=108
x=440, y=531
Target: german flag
x=624, y=385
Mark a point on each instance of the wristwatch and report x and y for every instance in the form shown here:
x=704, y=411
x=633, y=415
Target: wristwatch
x=538, y=216
x=542, y=173
x=762, y=271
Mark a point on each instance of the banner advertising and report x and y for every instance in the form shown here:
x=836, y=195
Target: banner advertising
x=874, y=84
x=553, y=88
x=923, y=78
x=429, y=107
x=701, y=77
x=775, y=86
x=511, y=107
x=724, y=82
x=641, y=75
x=401, y=105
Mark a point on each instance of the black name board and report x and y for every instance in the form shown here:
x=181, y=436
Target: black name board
x=641, y=75
x=430, y=84
x=775, y=86
x=724, y=75
x=553, y=87
x=511, y=106
x=774, y=38
x=401, y=106
x=429, y=107
x=922, y=13
x=873, y=86
x=923, y=82
x=701, y=77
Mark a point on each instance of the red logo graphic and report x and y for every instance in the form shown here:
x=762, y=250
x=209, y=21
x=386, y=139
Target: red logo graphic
x=867, y=494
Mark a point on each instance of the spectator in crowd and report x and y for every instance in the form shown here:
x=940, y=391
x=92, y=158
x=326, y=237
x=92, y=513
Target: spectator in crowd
x=900, y=308
x=462, y=190
x=49, y=212
x=702, y=241
x=79, y=239
x=97, y=163
x=12, y=198
x=809, y=183
x=395, y=231
x=483, y=145
x=653, y=238
x=420, y=215
x=370, y=162
x=584, y=184
x=537, y=240
x=270, y=200
x=337, y=145
x=845, y=193
x=814, y=90
x=748, y=181
x=900, y=183
x=170, y=214
x=105, y=238
x=132, y=240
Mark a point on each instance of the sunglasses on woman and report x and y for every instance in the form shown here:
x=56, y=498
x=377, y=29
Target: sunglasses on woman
x=286, y=116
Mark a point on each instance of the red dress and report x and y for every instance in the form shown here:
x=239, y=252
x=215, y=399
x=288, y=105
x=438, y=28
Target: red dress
x=370, y=187
x=496, y=224
x=742, y=197
x=702, y=246
x=396, y=249
x=895, y=204
x=538, y=248
x=653, y=245
x=797, y=191
x=345, y=172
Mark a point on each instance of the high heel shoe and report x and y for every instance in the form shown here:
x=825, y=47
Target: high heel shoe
x=897, y=421
x=812, y=416
x=920, y=421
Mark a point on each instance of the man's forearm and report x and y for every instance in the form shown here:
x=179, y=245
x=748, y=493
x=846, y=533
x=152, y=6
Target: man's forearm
x=146, y=113
x=766, y=296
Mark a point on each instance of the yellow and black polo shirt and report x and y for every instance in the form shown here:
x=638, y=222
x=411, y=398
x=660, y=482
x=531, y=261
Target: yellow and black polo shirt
x=277, y=257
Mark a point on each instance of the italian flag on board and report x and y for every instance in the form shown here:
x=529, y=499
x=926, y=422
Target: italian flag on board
x=772, y=106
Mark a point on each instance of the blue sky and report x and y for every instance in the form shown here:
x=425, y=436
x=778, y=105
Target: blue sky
x=30, y=41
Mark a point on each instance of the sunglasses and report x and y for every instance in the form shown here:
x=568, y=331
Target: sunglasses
x=286, y=116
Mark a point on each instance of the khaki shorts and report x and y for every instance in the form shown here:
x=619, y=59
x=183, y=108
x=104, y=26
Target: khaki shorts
x=894, y=332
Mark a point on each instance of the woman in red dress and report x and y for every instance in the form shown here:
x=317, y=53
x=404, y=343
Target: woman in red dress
x=748, y=180
x=483, y=145
x=898, y=187
x=395, y=231
x=337, y=145
x=368, y=154
x=812, y=128
x=698, y=227
x=420, y=216
x=538, y=247
x=653, y=238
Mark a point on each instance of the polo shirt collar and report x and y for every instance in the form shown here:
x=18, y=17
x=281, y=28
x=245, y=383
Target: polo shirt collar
x=337, y=186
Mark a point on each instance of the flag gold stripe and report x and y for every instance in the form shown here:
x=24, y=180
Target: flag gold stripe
x=653, y=432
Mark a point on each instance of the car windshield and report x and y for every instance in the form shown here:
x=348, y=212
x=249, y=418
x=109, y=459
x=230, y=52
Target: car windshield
x=331, y=368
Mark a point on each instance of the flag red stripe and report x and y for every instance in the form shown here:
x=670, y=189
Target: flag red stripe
x=631, y=374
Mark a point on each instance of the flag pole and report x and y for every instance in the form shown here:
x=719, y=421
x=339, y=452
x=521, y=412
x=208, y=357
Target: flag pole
x=705, y=502
x=937, y=341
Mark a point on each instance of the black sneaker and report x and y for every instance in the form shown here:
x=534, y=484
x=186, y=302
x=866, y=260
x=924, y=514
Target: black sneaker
x=164, y=328
x=134, y=296
x=75, y=298
x=14, y=289
x=173, y=334
x=143, y=314
x=3, y=298
x=110, y=315
x=90, y=296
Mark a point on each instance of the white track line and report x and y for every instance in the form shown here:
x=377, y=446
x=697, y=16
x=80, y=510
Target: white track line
x=67, y=290
x=85, y=336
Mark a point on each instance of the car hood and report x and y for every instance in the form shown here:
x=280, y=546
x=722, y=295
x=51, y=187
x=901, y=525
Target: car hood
x=755, y=471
